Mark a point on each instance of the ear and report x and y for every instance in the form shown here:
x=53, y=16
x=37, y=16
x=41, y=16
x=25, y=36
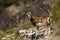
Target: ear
x=29, y=14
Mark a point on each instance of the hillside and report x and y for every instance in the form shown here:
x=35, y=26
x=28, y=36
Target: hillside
x=13, y=16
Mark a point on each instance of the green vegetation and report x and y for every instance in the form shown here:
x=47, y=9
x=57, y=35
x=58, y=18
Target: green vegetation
x=55, y=14
x=2, y=33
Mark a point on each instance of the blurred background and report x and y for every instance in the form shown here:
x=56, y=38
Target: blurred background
x=13, y=16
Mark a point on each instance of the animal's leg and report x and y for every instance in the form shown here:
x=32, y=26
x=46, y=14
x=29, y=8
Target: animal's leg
x=46, y=33
x=49, y=30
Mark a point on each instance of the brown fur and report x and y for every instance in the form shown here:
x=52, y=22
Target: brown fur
x=40, y=19
x=36, y=19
